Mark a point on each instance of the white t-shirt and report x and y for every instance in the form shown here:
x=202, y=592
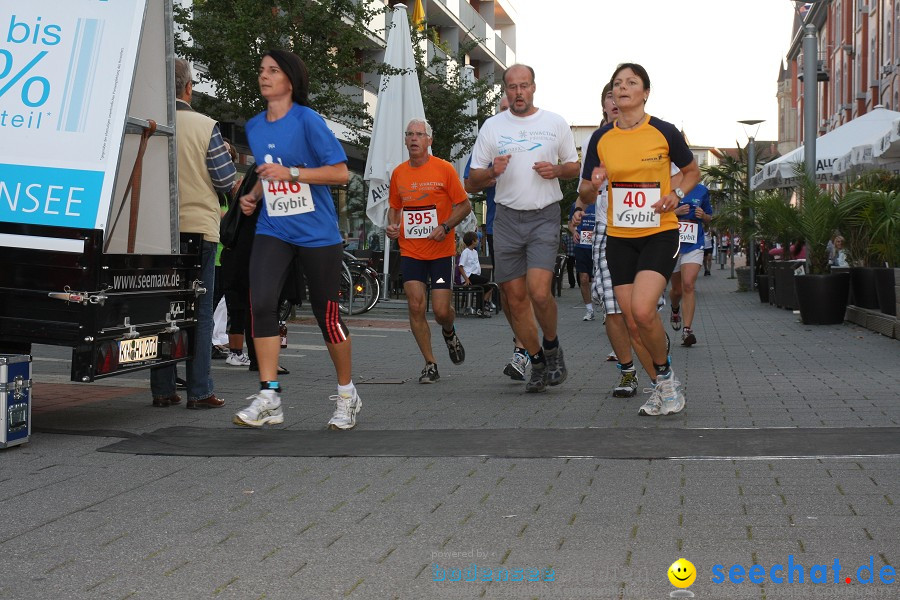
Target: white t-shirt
x=468, y=260
x=541, y=137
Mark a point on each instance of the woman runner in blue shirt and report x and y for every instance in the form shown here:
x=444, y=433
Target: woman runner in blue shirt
x=298, y=158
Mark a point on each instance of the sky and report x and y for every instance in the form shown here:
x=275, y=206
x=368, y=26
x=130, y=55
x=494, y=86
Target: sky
x=711, y=62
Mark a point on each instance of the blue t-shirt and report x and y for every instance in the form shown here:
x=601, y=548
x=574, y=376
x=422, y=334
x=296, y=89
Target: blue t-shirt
x=588, y=221
x=699, y=196
x=491, y=205
x=299, y=139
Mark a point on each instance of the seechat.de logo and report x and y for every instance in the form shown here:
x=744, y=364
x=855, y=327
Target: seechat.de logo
x=682, y=574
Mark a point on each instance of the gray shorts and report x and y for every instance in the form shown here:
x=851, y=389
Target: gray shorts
x=525, y=239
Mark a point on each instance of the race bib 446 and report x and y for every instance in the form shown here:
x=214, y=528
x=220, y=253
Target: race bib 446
x=286, y=198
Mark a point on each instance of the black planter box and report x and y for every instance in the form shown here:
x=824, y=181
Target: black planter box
x=862, y=283
x=823, y=298
x=884, y=290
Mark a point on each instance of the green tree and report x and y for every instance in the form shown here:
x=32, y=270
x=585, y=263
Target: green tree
x=229, y=36
x=333, y=38
x=728, y=182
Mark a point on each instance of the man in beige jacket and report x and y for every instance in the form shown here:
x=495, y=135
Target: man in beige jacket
x=205, y=169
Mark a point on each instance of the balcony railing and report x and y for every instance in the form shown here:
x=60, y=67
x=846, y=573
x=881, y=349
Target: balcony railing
x=471, y=20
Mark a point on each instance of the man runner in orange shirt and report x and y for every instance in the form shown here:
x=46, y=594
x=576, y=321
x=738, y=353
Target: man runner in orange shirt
x=427, y=201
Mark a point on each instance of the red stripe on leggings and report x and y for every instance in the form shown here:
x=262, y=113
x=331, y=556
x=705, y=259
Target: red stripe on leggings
x=333, y=324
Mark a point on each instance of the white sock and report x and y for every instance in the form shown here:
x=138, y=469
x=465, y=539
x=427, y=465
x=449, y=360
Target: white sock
x=347, y=390
x=589, y=307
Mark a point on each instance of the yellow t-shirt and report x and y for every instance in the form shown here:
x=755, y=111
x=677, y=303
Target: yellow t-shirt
x=637, y=163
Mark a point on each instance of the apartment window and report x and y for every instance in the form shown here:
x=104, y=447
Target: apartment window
x=896, y=27
x=858, y=76
x=838, y=89
x=888, y=44
x=873, y=61
x=838, y=21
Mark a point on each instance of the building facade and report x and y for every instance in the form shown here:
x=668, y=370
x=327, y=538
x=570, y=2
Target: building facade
x=858, y=63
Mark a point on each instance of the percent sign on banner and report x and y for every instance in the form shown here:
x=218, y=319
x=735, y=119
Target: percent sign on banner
x=9, y=78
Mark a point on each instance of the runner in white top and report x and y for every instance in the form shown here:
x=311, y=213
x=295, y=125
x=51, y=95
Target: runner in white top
x=527, y=150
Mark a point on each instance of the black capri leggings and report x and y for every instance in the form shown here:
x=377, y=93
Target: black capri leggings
x=321, y=267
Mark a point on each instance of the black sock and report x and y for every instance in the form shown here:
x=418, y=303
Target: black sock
x=661, y=369
x=447, y=336
x=629, y=366
x=538, y=357
x=551, y=345
x=239, y=351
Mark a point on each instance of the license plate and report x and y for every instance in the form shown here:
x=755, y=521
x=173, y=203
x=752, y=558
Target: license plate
x=138, y=349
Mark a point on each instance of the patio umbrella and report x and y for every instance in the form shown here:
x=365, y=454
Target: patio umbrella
x=888, y=146
x=831, y=148
x=399, y=101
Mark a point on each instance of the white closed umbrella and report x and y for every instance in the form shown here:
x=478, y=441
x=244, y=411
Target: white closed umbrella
x=399, y=101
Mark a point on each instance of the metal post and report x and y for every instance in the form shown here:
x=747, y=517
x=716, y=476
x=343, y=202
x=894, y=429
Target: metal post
x=810, y=100
x=751, y=245
x=731, y=249
x=385, y=289
x=751, y=171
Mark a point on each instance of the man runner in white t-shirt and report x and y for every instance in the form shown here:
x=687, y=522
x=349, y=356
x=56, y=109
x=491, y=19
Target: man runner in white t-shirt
x=527, y=150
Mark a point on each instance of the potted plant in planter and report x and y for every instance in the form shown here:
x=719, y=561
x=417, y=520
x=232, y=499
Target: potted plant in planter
x=822, y=295
x=866, y=210
x=777, y=221
x=875, y=214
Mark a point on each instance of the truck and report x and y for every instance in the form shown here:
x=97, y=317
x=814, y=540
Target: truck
x=92, y=257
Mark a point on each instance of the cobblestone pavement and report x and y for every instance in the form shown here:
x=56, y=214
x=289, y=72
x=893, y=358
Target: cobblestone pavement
x=78, y=523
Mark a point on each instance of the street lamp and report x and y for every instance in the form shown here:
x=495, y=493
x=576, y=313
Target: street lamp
x=751, y=125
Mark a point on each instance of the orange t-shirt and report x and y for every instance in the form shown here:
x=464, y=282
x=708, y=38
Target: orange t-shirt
x=425, y=197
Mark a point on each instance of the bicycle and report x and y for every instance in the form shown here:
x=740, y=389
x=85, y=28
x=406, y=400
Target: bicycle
x=359, y=291
x=360, y=286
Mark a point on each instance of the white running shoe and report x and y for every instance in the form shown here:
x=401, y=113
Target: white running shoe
x=588, y=316
x=265, y=408
x=345, y=411
x=653, y=406
x=237, y=360
x=516, y=367
x=672, y=398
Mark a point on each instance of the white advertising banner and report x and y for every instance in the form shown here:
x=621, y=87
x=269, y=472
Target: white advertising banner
x=66, y=71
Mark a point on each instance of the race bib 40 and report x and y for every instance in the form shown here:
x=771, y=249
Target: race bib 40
x=633, y=204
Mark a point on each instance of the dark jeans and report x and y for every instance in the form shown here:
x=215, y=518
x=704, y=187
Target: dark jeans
x=199, y=380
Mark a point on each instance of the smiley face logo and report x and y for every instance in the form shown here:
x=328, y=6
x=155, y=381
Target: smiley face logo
x=682, y=573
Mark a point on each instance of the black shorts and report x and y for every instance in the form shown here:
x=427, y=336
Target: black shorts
x=707, y=251
x=270, y=262
x=584, y=261
x=628, y=256
x=439, y=270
